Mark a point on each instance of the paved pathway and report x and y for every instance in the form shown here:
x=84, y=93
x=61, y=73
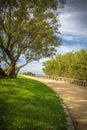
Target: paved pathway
x=75, y=99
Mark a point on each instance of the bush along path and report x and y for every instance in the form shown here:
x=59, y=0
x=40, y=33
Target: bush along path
x=26, y=104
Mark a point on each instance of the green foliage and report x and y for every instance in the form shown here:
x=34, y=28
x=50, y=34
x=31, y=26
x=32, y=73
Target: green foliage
x=28, y=29
x=29, y=73
x=71, y=65
x=27, y=104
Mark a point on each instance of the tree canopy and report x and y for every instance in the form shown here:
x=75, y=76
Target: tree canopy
x=28, y=30
x=70, y=65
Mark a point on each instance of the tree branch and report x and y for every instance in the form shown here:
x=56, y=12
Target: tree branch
x=20, y=51
x=23, y=65
x=2, y=19
x=5, y=58
x=22, y=48
x=9, y=34
x=6, y=51
x=28, y=61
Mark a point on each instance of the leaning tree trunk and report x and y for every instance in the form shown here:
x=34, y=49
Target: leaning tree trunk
x=12, y=71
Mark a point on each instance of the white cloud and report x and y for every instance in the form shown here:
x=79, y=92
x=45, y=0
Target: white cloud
x=65, y=49
x=73, y=18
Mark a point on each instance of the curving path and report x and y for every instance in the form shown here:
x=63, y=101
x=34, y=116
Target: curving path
x=75, y=99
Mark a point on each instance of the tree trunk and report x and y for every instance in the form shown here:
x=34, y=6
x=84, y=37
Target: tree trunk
x=12, y=71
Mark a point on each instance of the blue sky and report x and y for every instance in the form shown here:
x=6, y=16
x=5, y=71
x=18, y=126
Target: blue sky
x=73, y=20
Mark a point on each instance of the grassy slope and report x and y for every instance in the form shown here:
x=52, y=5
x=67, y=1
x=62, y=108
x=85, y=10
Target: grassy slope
x=27, y=104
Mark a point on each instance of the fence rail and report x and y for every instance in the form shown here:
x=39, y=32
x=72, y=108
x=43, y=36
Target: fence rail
x=67, y=80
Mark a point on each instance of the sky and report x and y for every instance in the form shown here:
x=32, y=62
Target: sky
x=73, y=29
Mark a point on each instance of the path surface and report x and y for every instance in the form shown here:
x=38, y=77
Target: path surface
x=75, y=99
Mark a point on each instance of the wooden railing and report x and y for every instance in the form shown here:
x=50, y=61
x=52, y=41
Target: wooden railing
x=67, y=80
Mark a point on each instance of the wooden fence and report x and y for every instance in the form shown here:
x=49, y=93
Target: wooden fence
x=67, y=80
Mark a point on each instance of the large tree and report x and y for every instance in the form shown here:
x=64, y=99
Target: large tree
x=28, y=29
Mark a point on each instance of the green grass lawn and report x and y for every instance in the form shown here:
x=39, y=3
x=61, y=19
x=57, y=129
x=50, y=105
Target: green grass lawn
x=27, y=104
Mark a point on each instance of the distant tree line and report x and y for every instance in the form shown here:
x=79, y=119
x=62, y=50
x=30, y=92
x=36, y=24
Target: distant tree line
x=29, y=73
x=70, y=65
